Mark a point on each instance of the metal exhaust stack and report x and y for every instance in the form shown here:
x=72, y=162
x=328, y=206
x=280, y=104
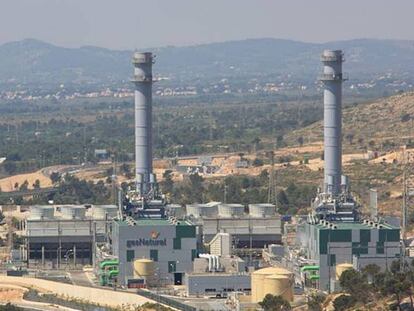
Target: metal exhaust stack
x=143, y=121
x=332, y=79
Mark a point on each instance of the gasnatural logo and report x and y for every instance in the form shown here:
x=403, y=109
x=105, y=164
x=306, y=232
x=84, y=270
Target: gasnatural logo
x=154, y=235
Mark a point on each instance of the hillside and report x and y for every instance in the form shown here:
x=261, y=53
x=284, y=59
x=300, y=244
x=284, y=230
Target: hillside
x=373, y=125
x=31, y=61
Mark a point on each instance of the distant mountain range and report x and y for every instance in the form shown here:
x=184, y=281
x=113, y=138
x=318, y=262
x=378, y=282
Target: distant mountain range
x=36, y=62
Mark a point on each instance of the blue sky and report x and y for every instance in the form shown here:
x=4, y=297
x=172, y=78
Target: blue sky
x=127, y=24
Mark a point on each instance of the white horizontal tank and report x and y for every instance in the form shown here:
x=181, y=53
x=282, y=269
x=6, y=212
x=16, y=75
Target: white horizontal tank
x=202, y=210
x=42, y=212
x=175, y=210
x=73, y=212
x=102, y=211
x=230, y=210
x=262, y=210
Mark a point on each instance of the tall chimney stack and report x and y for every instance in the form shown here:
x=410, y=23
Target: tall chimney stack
x=143, y=121
x=332, y=79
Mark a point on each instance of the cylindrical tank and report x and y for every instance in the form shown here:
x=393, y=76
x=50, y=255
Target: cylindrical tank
x=144, y=268
x=143, y=118
x=230, y=210
x=262, y=210
x=102, y=211
x=258, y=278
x=202, y=210
x=175, y=210
x=195, y=210
x=341, y=268
x=279, y=285
x=42, y=212
x=73, y=212
x=332, y=79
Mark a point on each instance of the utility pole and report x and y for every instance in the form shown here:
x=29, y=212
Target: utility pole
x=407, y=187
x=271, y=192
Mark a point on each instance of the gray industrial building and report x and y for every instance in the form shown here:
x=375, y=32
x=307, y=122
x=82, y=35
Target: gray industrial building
x=259, y=227
x=336, y=233
x=58, y=235
x=216, y=284
x=172, y=246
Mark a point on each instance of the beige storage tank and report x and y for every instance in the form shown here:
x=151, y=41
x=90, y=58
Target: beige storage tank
x=144, y=268
x=279, y=285
x=341, y=268
x=40, y=212
x=258, y=277
x=230, y=210
x=262, y=210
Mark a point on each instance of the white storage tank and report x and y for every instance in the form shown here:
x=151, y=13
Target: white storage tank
x=195, y=210
x=42, y=212
x=102, y=211
x=230, y=210
x=73, y=212
x=210, y=209
x=262, y=210
x=202, y=210
x=176, y=210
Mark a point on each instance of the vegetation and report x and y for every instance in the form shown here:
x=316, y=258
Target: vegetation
x=83, y=305
x=71, y=190
x=38, y=135
x=10, y=307
x=291, y=197
x=370, y=286
x=275, y=303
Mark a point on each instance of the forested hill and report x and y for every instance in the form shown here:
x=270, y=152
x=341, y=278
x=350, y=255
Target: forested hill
x=33, y=61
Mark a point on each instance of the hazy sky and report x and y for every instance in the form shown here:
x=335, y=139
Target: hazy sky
x=127, y=24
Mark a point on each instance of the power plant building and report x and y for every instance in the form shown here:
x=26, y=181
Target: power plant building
x=259, y=227
x=172, y=246
x=335, y=233
x=57, y=235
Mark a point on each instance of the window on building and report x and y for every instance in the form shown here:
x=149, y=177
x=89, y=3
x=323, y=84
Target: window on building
x=177, y=243
x=332, y=260
x=193, y=254
x=154, y=254
x=172, y=266
x=130, y=255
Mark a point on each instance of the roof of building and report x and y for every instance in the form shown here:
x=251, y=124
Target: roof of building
x=154, y=222
x=353, y=225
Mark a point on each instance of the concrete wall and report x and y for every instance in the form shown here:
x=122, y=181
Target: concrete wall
x=213, y=284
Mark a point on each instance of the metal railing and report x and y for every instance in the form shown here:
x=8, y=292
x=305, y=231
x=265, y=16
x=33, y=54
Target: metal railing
x=333, y=77
x=165, y=300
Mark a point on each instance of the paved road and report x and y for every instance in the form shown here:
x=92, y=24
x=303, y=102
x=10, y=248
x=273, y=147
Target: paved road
x=79, y=278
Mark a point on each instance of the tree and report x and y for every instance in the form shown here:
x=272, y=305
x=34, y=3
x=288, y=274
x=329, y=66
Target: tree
x=343, y=302
x=280, y=141
x=167, y=184
x=300, y=141
x=257, y=162
x=55, y=177
x=275, y=303
x=350, y=138
x=10, y=167
x=24, y=186
x=36, y=184
x=315, y=302
x=370, y=271
x=355, y=284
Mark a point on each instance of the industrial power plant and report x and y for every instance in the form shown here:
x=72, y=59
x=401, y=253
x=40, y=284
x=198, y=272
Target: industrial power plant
x=216, y=249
